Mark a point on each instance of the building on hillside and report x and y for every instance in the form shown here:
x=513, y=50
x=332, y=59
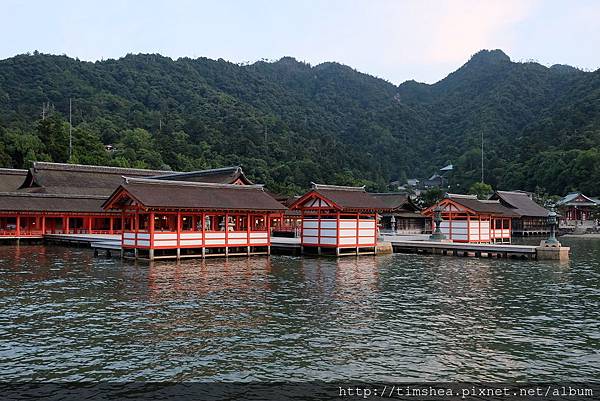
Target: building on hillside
x=11, y=179
x=531, y=219
x=339, y=219
x=403, y=215
x=577, y=210
x=166, y=219
x=468, y=219
x=59, y=198
x=435, y=181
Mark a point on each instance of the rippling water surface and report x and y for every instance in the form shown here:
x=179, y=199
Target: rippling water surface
x=65, y=315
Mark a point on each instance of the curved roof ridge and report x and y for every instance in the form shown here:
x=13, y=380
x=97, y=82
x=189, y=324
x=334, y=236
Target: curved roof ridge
x=94, y=168
x=152, y=181
x=13, y=171
x=461, y=196
x=201, y=172
x=337, y=187
x=50, y=195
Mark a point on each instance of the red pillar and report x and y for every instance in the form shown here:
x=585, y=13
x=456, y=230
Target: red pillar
x=337, y=229
x=179, y=228
x=248, y=229
x=151, y=229
x=226, y=229
x=268, y=229
x=136, y=225
x=18, y=228
x=110, y=225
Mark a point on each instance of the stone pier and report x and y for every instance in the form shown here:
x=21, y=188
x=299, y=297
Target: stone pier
x=552, y=251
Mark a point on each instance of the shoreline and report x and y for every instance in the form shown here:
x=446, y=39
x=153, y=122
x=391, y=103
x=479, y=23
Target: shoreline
x=589, y=236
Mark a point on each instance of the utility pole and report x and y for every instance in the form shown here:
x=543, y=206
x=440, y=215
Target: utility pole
x=70, y=131
x=266, y=145
x=482, y=156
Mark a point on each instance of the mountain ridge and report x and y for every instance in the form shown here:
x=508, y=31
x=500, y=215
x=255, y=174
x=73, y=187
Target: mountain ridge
x=291, y=123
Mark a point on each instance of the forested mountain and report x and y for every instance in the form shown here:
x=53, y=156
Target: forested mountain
x=289, y=123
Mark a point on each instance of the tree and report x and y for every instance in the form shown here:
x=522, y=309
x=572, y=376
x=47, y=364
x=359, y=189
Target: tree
x=138, y=147
x=54, y=133
x=481, y=189
x=24, y=148
x=430, y=197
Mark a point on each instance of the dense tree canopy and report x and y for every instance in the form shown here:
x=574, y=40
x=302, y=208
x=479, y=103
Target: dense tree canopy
x=289, y=123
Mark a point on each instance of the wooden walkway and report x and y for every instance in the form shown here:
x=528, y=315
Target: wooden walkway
x=283, y=245
x=464, y=249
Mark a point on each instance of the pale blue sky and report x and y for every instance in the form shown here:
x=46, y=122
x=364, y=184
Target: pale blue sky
x=393, y=39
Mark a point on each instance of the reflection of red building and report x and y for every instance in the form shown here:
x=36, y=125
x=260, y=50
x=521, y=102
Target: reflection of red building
x=164, y=218
x=338, y=218
x=468, y=219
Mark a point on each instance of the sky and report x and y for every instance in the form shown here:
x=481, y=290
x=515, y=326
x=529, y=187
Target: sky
x=396, y=40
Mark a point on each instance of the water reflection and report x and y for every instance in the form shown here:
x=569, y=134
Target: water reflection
x=65, y=315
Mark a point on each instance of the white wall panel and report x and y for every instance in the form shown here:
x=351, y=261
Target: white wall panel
x=237, y=235
x=348, y=224
x=367, y=224
x=158, y=236
x=215, y=235
x=328, y=223
x=191, y=236
x=310, y=223
x=259, y=234
x=188, y=242
x=165, y=243
x=311, y=232
x=309, y=240
x=215, y=241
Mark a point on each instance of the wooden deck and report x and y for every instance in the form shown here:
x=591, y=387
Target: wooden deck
x=282, y=245
x=466, y=249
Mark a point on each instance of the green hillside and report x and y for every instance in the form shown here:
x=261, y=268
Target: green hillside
x=289, y=123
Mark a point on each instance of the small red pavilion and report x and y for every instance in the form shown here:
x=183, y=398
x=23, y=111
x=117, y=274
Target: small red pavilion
x=339, y=219
x=468, y=219
x=166, y=219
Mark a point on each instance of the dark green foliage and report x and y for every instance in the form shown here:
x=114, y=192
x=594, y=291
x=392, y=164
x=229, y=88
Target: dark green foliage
x=289, y=123
x=430, y=197
x=481, y=189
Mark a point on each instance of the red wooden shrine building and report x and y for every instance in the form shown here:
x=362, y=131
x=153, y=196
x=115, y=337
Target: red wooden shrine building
x=468, y=219
x=339, y=219
x=165, y=218
x=58, y=198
